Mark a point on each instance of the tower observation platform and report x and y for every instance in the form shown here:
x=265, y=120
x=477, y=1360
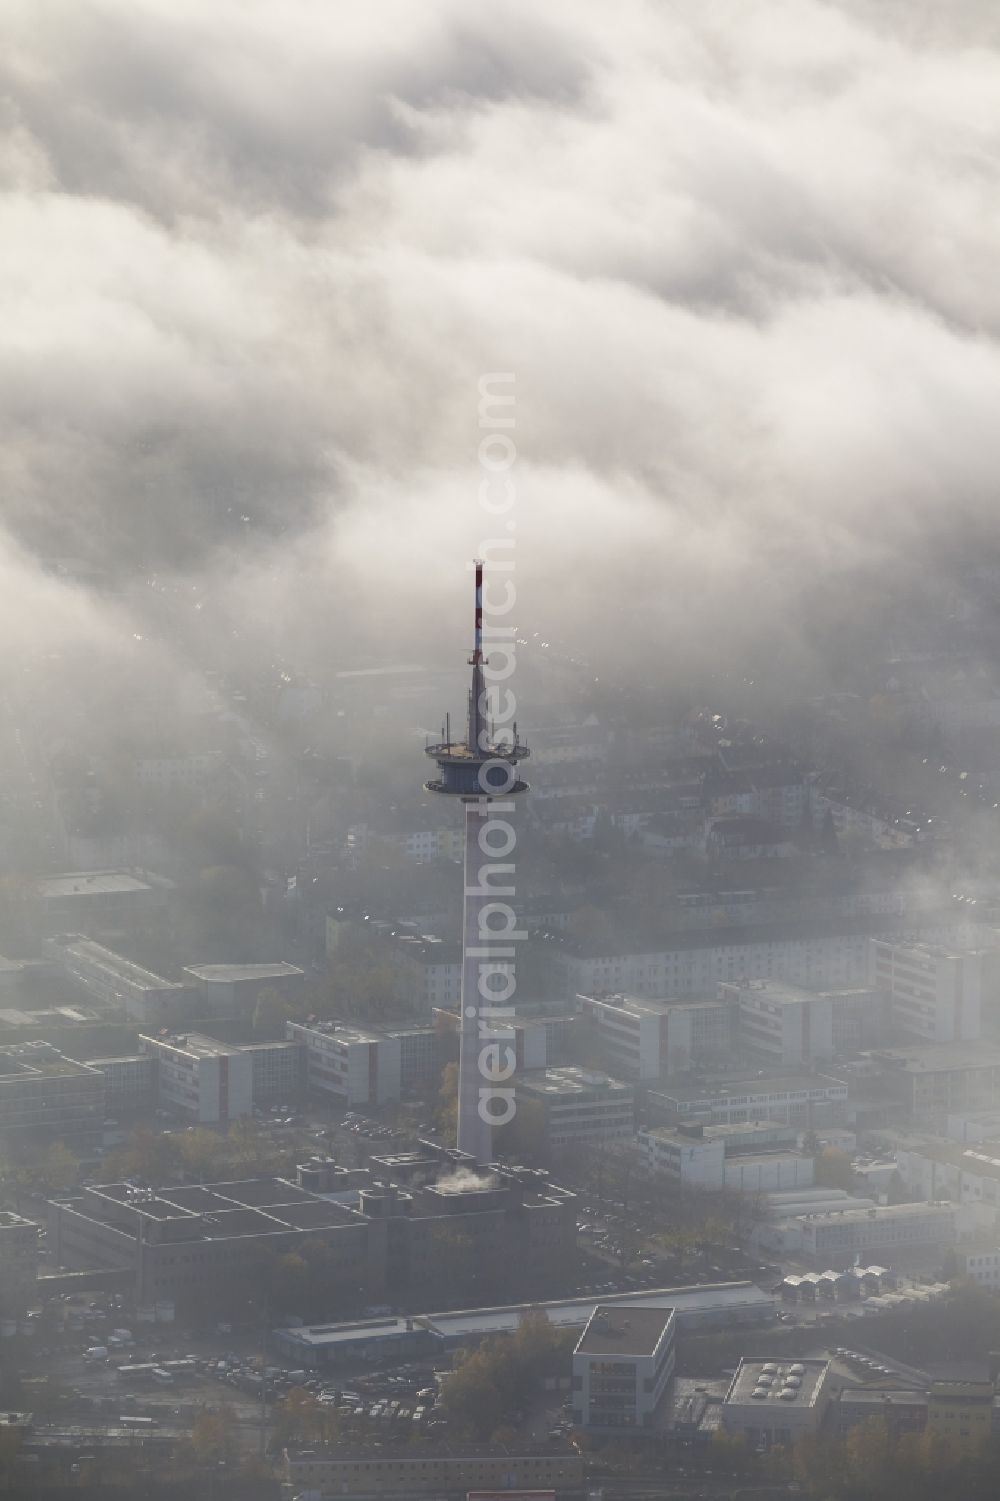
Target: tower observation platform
x=480, y=771
x=480, y=765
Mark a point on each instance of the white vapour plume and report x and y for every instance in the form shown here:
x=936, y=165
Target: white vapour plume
x=465, y=1181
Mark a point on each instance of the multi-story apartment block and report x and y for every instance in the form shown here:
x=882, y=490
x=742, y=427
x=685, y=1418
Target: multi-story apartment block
x=622, y=1367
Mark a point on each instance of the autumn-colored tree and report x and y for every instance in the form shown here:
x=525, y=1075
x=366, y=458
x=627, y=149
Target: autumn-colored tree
x=213, y=1435
x=447, y=1110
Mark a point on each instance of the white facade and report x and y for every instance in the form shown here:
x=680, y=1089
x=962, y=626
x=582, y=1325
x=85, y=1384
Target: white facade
x=622, y=1366
x=202, y=1079
x=703, y=1161
x=358, y=1068
x=935, y=994
x=882, y=1231
x=792, y=1101
x=781, y=1025
x=644, y=1039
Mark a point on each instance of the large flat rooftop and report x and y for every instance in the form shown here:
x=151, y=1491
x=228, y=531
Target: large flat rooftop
x=624, y=1332
x=719, y=1300
x=37, y=1060
x=76, y=946
x=682, y=1089
x=777, y=1383
x=84, y=883
x=230, y=974
x=934, y=1056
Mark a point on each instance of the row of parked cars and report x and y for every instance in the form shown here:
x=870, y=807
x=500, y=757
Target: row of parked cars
x=865, y=1365
x=362, y=1126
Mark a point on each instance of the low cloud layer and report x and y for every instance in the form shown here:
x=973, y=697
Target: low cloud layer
x=254, y=258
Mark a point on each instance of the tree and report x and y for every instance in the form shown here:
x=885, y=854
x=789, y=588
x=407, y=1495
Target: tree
x=270, y=1013
x=447, y=1110
x=834, y=1170
x=213, y=1435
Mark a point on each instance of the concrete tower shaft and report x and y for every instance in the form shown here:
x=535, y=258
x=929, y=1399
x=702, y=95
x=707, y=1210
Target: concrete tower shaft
x=476, y=771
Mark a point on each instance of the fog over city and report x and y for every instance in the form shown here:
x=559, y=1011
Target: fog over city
x=437, y=1062
x=256, y=258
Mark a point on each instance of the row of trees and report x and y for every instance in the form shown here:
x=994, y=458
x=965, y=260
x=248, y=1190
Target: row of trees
x=156, y=1157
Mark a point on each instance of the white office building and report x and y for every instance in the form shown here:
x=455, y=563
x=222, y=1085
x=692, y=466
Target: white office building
x=204, y=1080
x=759, y=1157
x=576, y=1106
x=935, y=993
x=645, y=1039
x=622, y=1367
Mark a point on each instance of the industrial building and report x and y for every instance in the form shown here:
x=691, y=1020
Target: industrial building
x=44, y=1094
x=776, y=1402
x=511, y=1229
x=622, y=1366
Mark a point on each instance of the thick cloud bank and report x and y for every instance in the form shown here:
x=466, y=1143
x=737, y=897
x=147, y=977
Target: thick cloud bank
x=255, y=256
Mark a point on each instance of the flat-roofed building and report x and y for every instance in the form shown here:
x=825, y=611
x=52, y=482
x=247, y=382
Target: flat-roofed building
x=622, y=1367
x=933, y=1082
x=362, y=1066
x=205, y=1080
x=836, y=1237
x=101, y=902
x=792, y=1099
x=339, y=1473
x=773, y=1403
x=129, y=1082
x=902, y=1409
x=44, y=1094
x=644, y=1039
x=277, y=1070
x=120, y=986
x=232, y=990
x=759, y=1156
x=961, y=1413
x=935, y=993
x=576, y=1107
